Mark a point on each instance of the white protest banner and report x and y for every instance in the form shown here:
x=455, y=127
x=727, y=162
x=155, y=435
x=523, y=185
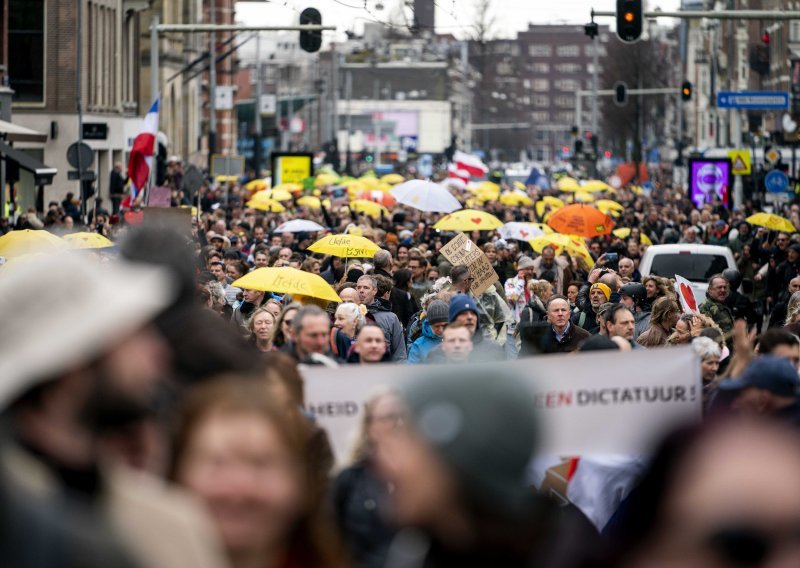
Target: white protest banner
x=461, y=250
x=588, y=403
x=685, y=292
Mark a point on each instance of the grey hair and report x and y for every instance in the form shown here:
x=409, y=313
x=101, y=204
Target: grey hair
x=353, y=313
x=382, y=259
x=705, y=347
x=793, y=308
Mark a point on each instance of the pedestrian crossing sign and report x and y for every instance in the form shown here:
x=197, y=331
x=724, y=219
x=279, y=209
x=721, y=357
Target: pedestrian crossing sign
x=740, y=160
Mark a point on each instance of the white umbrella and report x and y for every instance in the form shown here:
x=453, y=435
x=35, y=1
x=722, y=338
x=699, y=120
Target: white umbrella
x=425, y=196
x=520, y=231
x=300, y=226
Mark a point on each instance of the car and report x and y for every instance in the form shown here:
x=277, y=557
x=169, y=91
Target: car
x=696, y=263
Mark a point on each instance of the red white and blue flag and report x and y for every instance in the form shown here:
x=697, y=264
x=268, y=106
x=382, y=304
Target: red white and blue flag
x=140, y=163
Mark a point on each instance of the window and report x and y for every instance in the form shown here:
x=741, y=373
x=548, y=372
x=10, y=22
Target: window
x=794, y=31
x=589, y=50
x=565, y=101
x=568, y=51
x=565, y=117
x=540, y=116
x=540, y=135
x=541, y=85
x=567, y=85
x=568, y=68
x=541, y=101
x=540, y=67
x=693, y=267
x=540, y=50
x=26, y=36
x=504, y=68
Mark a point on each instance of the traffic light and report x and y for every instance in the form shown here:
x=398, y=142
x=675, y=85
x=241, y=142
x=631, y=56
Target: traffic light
x=310, y=41
x=578, y=146
x=620, y=93
x=630, y=18
x=686, y=91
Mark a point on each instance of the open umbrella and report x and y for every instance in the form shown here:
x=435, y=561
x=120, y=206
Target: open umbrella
x=256, y=185
x=624, y=233
x=382, y=198
x=313, y=202
x=568, y=184
x=393, y=179
x=515, y=198
x=572, y=244
x=468, y=220
x=29, y=241
x=276, y=194
x=290, y=187
x=597, y=185
x=425, y=196
x=299, y=226
x=86, y=240
x=582, y=197
x=520, y=231
x=607, y=206
x=345, y=246
x=771, y=222
x=325, y=179
x=287, y=280
x=370, y=208
x=265, y=204
x=581, y=220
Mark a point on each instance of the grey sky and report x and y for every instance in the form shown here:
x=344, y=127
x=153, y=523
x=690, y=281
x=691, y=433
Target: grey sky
x=452, y=16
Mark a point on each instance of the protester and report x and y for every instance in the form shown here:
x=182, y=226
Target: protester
x=619, y=322
x=247, y=460
x=434, y=322
x=379, y=309
x=283, y=327
x=457, y=345
x=348, y=321
x=665, y=316
x=557, y=264
x=464, y=311
x=370, y=346
x=558, y=335
x=715, y=307
x=310, y=342
x=769, y=385
x=261, y=327
x=710, y=353
x=244, y=310
x=494, y=313
x=586, y=318
x=634, y=296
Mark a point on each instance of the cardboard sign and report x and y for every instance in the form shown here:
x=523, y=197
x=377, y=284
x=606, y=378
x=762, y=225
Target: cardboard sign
x=587, y=403
x=291, y=168
x=159, y=196
x=686, y=294
x=176, y=218
x=461, y=250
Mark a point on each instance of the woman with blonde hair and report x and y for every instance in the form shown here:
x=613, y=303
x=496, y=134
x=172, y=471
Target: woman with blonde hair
x=359, y=495
x=261, y=326
x=793, y=309
x=283, y=327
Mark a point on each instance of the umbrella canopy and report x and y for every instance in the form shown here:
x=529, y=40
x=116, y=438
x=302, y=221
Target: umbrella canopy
x=572, y=244
x=487, y=186
x=276, y=194
x=772, y=222
x=515, y=198
x=393, y=179
x=520, y=231
x=519, y=185
x=581, y=220
x=28, y=241
x=265, y=204
x=325, y=179
x=468, y=220
x=299, y=226
x=345, y=246
x=607, y=206
x=425, y=196
x=256, y=185
x=370, y=208
x=624, y=233
x=597, y=185
x=313, y=202
x=290, y=187
x=377, y=196
x=287, y=280
x=87, y=240
x=568, y=184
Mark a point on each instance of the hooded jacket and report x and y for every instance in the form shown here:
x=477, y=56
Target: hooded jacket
x=418, y=353
x=381, y=311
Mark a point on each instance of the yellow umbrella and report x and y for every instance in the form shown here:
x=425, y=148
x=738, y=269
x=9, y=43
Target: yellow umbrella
x=290, y=187
x=582, y=197
x=370, y=208
x=484, y=196
x=625, y=232
x=637, y=190
x=393, y=179
x=468, y=220
x=771, y=222
x=383, y=186
x=265, y=204
x=519, y=185
x=29, y=241
x=325, y=179
x=608, y=206
x=194, y=209
x=345, y=246
x=573, y=244
x=88, y=240
x=256, y=185
x=568, y=184
x=225, y=179
x=597, y=185
x=313, y=202
x=287, y=280
x=276, y=194
x=487, y=186
x=369, y=183
x=515, y=198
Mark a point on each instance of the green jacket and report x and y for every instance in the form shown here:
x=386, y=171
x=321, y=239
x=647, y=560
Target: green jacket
x=720, y=313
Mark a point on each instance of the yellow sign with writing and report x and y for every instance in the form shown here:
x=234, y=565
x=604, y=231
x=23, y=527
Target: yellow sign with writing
x=741, y=164
x=291, y=168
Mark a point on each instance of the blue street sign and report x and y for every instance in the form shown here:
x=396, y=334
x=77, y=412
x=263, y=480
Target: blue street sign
x=754, y=100
x=776, y=182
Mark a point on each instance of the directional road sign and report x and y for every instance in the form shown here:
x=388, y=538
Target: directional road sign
x=753, y=100
x=776, y=182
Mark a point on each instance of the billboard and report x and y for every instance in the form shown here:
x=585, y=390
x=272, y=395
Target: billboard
x=288, y=167
x=710, y=181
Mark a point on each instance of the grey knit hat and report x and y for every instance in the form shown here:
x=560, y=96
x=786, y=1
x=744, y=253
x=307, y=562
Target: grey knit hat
x=438, y=312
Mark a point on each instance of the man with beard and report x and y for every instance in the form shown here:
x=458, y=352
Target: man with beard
x=82, y=369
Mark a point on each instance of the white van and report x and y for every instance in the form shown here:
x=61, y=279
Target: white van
x=696, y=263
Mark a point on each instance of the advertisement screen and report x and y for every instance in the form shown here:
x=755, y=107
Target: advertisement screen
x=710, y=181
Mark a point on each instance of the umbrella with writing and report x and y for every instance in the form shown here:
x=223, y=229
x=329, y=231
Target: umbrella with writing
x=771, y=222
x=287, y=280
x=345, y=246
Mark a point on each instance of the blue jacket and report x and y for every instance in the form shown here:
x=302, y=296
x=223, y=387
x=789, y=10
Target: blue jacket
x=418, y=352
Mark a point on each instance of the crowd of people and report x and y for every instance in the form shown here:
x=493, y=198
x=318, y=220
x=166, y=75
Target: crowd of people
x=154, y=411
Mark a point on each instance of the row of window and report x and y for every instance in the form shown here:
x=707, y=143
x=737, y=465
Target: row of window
x=560, y=117
x=506, y=68
x=544, y=50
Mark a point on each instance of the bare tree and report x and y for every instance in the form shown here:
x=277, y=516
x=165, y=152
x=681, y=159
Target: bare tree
x=482, y=58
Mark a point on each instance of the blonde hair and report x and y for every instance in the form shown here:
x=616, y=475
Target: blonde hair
x=793, y=308
x=538, y=287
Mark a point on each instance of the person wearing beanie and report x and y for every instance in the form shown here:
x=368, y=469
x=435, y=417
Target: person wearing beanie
x=470, y=440
x=434, y=321
x=464, y=310
x=595, y=296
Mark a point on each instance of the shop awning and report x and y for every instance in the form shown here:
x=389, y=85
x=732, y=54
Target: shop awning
x=16, y=133
x=42, y=174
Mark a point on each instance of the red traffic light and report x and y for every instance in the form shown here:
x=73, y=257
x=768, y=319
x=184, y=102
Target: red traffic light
x=565, y=149
x=765, y=38
x=607, y=153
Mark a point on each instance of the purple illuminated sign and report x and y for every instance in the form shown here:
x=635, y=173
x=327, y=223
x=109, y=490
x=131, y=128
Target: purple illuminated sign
x=710, y=181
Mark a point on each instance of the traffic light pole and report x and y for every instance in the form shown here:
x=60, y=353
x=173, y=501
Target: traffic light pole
x=611, y=92
x=716, y=15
